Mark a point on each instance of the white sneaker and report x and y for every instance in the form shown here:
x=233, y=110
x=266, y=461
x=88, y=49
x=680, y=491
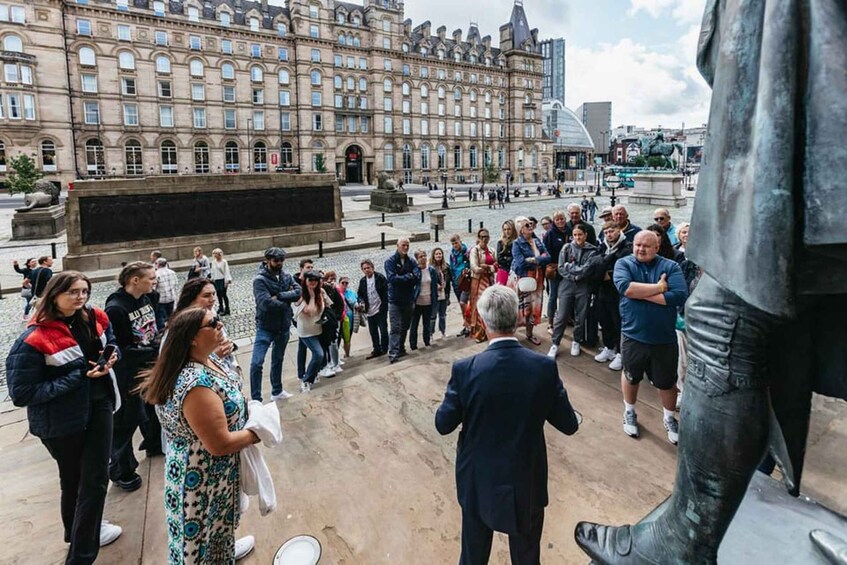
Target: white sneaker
x=109, y=532
x=337, y=369
x=243, y=546
x=443, y=335
x=630, y=424
x=340, y=362
x=605, y=355
x=672, y=426
x=305, y=387
x=326, y=372
x=617, y=363
x=281, y=396
x=554, y=349
x=575, y=349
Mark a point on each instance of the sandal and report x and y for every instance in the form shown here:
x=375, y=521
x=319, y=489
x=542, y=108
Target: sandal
x=534, y=340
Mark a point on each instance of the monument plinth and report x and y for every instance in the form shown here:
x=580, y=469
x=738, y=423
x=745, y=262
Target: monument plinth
x=112, y=221
x=658, y=188
x=39, y=223
x=387, y=197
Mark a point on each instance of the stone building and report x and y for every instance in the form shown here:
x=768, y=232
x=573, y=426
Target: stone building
x=97, y=88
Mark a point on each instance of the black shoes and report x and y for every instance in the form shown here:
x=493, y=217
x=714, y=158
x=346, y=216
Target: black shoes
x=464, y=333
x=374, y=355
x=131, y=484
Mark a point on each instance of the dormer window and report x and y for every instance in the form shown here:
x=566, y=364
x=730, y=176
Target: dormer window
x=280, y=29
x=405, y=48
x=340, y=19
x=226, y=19
x=159, y=9
x=254, y=24
x=193, y=14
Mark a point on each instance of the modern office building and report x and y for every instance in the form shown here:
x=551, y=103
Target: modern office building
x=553, y=65
x=95, y=88
x=572, y=145
x=597, y=119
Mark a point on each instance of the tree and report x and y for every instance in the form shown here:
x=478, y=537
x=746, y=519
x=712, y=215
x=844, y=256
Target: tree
x=491, y=174
x=23, y=175
x=320, y=165
x=639, y=161
x=657, y=162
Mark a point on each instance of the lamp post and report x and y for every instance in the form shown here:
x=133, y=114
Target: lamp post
x=249, y=148
x=444, y=204
x=508, y=174
x=613, y=182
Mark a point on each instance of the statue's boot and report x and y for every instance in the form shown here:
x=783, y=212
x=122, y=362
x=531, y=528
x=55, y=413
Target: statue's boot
x=832, y=547
x=723, y=437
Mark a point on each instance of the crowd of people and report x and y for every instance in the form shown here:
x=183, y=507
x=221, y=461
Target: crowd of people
x=157, y=357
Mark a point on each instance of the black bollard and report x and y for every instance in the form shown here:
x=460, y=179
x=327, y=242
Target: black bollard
x=436, y=232
x=480, y=225
x=382, y=240
x=422, y=217
x=320, y=248
x=53, y=249
x=470, y=225
x=383, y=217
x=3, y=297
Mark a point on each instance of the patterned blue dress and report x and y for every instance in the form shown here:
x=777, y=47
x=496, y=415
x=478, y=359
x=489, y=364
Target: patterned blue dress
x=201, y=490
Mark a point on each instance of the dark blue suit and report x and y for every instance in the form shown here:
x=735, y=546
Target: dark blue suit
x=502, y=397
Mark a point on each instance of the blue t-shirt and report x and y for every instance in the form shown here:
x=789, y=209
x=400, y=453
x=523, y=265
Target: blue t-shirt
x=646, y=321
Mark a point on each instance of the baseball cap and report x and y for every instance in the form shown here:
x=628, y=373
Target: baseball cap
x=274, y=253
x=607, y=211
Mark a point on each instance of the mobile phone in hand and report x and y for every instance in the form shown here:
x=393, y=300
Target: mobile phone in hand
x=105, y=356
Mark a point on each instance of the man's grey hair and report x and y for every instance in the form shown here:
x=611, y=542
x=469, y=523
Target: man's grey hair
x=498, y=307
x=161, y=262
x=419, y=253
x=401, y=240
x=620, y=207
x=574, y=206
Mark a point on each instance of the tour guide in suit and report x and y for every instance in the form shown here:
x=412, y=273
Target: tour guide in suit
x=502, y=397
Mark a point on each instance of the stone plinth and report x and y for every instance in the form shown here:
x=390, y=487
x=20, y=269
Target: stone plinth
x=389, y=201
x=658, y=189
x=112, y=221
x=39, y=223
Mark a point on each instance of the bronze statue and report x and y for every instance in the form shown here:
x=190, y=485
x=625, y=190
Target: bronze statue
x=656, y=146
x=45, y=194
x=767, y=325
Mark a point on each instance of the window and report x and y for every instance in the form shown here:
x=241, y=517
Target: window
x=29, y=107
x=283, y=54
x=95, y=159
x=128, y=86
x=130, y=114
x=441, y=92
x=195, y=43
x=424, y=156
x=352, y=124
x=386, y=43
x=254, y=24
x=317, y=150
x=227, y=71
x=313, y=11
x=441, y=108
x=337, y=82
x=259, y=120
x=89, y=83
x=83, y=27
x=161, y=38
x=124, y=33
x=387, y=85
x=363, y=103
x=407, y=126
x=196, y=68
x=316, y=55
x=457, y=129
x=165, y=90
x=193, y=14
x=351, y=83
x=342, y=39
x=407, y=106
x=338, y=60
x=442, y=128
x=363, y=84
x=472, y=157
x=229, y=94
x=226, y=19
x=255, y=50
x=284, y=121
x=284, y=98
x=363, y=63
x=386, y=25
x=388, y=124
x=126, y=61
x=388, y=156
x=316, y=78
x=287, y=155
x=15, y=14
x=258, y=96
x=201, y=158
x=280, y=29
x=351, y=62
x=424, y=72
x=386, y=64
x=340, y=19
x=91, y=110
x=314, y=31
x=169, y=162
x=229, y=118
x=364, y=124
x=317, y=122
x=11, y=72
x=231, y=160
x=226, y=46
x=406, y=71
x=457, y=94
x=48, y=155
x=257, y=74
x=405, y=48
x=457, y=156
x=316, y=98
x=163, y=65
x=198, y=92
x=166, y=116
x=424, y=107
x=199, y=117
x=424, y=127
x=260, y=157
x=2, y=152
x=387, y=104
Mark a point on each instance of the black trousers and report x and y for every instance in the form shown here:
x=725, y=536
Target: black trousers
x=123, y=463
x=609, y=316
x=83, y=460
x=151, y=431
x=420, y=314
x=378, y=328
x=223, y=299
x=524, y=549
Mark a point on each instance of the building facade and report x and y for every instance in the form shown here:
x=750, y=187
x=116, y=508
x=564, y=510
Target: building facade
x=98, y=88
x=597, y=119
x=572, y=145
x=553, y=66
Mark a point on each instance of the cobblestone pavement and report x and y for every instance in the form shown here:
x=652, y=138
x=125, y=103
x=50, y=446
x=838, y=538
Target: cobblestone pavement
x=241, y=323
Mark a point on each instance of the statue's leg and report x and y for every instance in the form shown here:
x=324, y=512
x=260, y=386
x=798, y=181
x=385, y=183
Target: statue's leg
x=723, y=436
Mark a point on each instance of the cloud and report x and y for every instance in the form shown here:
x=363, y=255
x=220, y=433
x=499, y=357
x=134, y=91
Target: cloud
x=683, y=11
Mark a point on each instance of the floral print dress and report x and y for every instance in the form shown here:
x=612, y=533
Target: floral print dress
x=201, y=490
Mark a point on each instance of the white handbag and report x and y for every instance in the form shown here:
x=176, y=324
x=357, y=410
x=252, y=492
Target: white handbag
x=527, y=284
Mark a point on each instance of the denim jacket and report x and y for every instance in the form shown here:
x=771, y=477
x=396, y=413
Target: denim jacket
x=522, y=250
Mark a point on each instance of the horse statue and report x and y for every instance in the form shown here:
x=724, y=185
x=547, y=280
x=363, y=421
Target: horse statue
x=45, y=194
x=656, y=146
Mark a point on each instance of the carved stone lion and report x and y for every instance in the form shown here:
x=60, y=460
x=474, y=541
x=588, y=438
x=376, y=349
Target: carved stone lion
x=46, y=194
x=384, y=182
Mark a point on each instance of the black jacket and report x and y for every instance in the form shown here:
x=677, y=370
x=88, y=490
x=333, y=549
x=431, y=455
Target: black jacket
x=607, y=265
x=274, y=296
x=39, y=277
x=590, y=234
x=381, y=290
x=403, y=276
x=554, y=240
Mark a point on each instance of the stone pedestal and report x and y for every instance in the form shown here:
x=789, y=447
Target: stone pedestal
x=389, y=201
x=658, y=189
x=39, y=223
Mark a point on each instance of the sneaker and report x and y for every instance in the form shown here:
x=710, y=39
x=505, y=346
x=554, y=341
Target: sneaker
x=605, y=355
x=443, y=335
x=281, y=396
x=243, y=546
x=617, y=363
x=326, y=372
x=575, y=349
x=554, y=349
x=678, y=401
x=131, y=484
x=672, y=426
x=109, y=532
x=340, y=362
x=317, y=379
x=630, y=424
x=305, y=387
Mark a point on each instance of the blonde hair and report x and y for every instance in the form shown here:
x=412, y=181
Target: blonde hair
x=558, y=214
x=217, y=251
x=520, y=222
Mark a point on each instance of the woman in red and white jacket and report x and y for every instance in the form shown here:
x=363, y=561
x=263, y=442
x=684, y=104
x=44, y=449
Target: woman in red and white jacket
x=53, y=370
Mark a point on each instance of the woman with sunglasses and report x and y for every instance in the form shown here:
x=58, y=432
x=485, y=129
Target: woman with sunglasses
x=529, y=259
x=331, y=336
x=202, y=293
x=55, y=369
x=349, y=326
x=483, y=267
x=308, y=312
x=203, y=413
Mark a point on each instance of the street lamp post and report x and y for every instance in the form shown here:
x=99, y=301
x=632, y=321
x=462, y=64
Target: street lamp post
x=444, y=204
x=613, y=182
x=508, y=174
x=249, y=148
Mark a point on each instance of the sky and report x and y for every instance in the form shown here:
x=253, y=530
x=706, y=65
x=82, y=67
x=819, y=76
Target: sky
x=640, y=54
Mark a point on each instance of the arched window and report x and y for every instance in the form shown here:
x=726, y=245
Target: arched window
x=132, y=158
x=201, y=157
x=87, y=57
x=48, y=155
x=126, y=61
x=457, y=156
x=196, y=68
x=407, y=89
x=473, y=157
x=349, y=39
x=231, y=160
x=257, y=74
x=286, y=155
x=170, y=166
x=442, y=157
x=13, y=43
x=337, y=82
x=351, y=83
x=441, y=92
x=363, y=84
x=227, y=71
x=388, y=156
x=457, y=93
x=315, y=77
x=386, y=85
x=533, y=158
x=357, y=42
x=407, y=156
x=473, y=95
x=95, y=159
x=163, y=64
x=317, y=151
x=424, y=156
x=284, y=77
x=260, y=157
x=424, y=91
x=342, y=39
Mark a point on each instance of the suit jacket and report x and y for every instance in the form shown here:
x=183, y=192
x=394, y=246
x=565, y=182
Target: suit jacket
x=501, y=461
x=381, y=291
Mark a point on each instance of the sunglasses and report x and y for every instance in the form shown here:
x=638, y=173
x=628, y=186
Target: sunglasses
x=345, y=283
x=659, y=219
x=213, y=323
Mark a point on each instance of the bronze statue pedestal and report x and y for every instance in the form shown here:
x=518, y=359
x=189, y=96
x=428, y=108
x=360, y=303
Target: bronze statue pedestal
x=658, y=189
x=39, y=223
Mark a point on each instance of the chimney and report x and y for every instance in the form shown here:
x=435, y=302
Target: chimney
x=486, y=41
x=457, y=36
x=265, y=7
x=442, y=32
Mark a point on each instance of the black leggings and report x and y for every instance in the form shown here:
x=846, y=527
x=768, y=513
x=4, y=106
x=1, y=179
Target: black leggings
x=223, y=299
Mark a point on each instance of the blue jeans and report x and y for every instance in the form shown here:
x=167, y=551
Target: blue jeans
x=313, y=344
x=164, y=310
x=552, y=299
x=262, y=342
x=439, y=311
x=400, y=318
